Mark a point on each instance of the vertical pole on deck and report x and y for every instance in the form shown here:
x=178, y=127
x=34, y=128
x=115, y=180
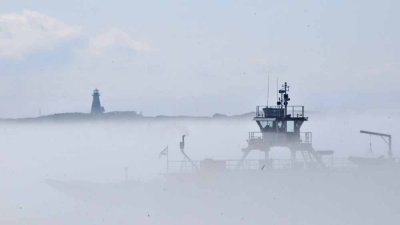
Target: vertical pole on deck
x=267, y=162
x=167, y=161
x=390, y=147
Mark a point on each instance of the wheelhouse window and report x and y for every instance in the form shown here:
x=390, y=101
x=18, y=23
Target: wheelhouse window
x=267, y=124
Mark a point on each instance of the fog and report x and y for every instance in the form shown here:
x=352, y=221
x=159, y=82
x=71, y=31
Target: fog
x=194, y=58
x=74, y=173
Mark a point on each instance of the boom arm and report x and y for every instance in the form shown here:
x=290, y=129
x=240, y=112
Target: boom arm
x=383, y=136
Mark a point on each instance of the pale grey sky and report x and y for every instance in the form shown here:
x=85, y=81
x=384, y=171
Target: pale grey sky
x=196, y=57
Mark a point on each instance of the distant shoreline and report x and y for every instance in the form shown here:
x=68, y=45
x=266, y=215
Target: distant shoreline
x=134, y=116
x=118, y=116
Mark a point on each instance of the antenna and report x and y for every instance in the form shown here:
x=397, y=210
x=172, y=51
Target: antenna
x=268, y=92
x=277, y=89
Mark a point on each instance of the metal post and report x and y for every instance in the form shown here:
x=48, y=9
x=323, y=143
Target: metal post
x=167, y=162
x=241, y=161
x=285, y=111
x=390, y=147
x=267, y=162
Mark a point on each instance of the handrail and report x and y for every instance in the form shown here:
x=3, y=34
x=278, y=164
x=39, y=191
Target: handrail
x=305, y=137
x=183, y=166
x=294, y=111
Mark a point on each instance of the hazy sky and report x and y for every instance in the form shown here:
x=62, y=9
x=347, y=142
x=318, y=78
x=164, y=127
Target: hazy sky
x=196, y=57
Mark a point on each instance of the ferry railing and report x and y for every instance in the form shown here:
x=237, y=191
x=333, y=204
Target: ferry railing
x=260, y=164
x=342, y=163
x=255, y=135
x=277, y=164
x=182, y=166
x=185, y=167
x=248, y=164
x=304, y=137
x=272, y=111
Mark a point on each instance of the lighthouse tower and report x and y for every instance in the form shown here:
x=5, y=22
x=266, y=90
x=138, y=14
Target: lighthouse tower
x=96, y=105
